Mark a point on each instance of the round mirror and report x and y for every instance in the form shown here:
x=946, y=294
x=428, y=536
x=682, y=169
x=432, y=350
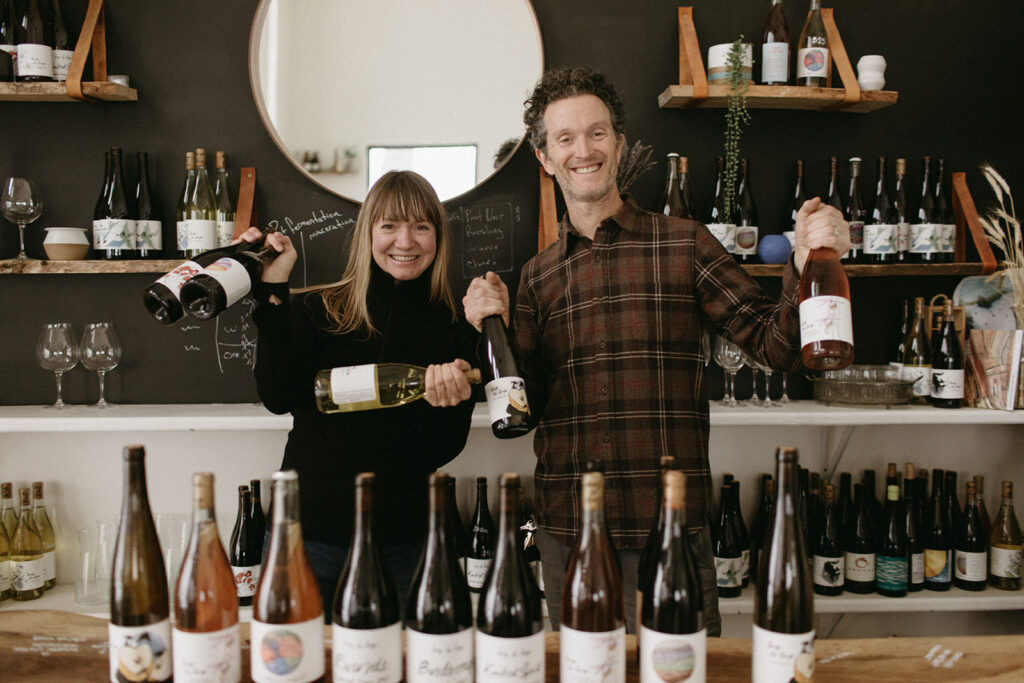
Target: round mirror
x=350, y=89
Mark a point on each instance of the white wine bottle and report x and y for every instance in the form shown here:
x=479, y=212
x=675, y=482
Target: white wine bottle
x=201, y=211
x=368, y=387
x=226, y=281
x=28, y=571
x=5, y=565
x=224, y=194
x=8, y=513
x=181, y=215
x=1006, y=552
x=41, y=521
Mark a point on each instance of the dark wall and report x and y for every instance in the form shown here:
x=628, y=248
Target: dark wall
x=955, y=64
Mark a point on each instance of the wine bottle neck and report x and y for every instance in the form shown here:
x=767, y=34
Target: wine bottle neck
x=286, y=498
x=362, y=536
x=508, y=522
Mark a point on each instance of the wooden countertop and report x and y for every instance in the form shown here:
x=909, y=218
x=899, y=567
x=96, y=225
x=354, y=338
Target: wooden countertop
x=39, y=646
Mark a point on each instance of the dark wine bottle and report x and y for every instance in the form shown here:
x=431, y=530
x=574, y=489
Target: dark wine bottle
x=225, y=281
x=971, y=551
x=685, y=190
x=5, y=542
x=722, y=226
x=947, y=363
x=802, y=508
x=671, y=203
x=921, y=490
x=163, y=298
x=859, y=555
x=915, y=548
x=944, y=214
x=8, y=41
x=366, y=616
x=181, y=214
x=783, y=639
x=507, y=404
x=527, y=535
x=826, y=316
x=880, y=228
x=892, y=561
x=937, y=539
x=259, y=519
x=63, y=44
x=917, y=356
x=758, y=523
x=34, y=36
x=245, y=551
x=140, y=609
x=834, y=197
x=896, y=359
x=1006, y=550
x=149, y=238
x=746, y=214
x=953, y=509
x=460, y=537
x=979, y=493
x=844, y=503
x=798, y=198
x=827, y=544
x=728, y=550
x=775, y=47
x=925, y=231
x=99, y=212
x=481, y=543
x=873, y=504
x=902, y=212
x=856, y=213
x=119, y=241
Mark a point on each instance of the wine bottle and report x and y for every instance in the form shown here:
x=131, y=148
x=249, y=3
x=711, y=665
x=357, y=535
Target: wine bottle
x=438, y=614
x=813, y=57
x=63, y=44
x=287, y=615
x=902, y=212
x=671, y=203
x=41, y=521
x=481, y=543
x=970, y=560
x=245, y=552
x=685, y=191
x=149, y=239
x=5, y=553
x=917, y=356
x=872, y=502
x=746, y=223
x=459, y=536
x=892, y=561
x=163, y=298
x=140, y=610
x=34, y=35
x=921, y=490
x=672, y=613
x=801, y=505
x=814, y=501
x=206, y=638
x=896, y=359
x=944, y=213
x=758, y=523
x=727, y=548
x=775, y=47
x=368, y=387
x=119, y=241
x=911, y=506
x=783, y=642
x=769, y=521
x=510, y=629
x=8, y=513
x=925, y=229
x=856, y=213
x=826, y=317
x=979, y=494
x=827, y=547
x=798, y=198
x=28, y=568
x=832, y=195
x=720, y=225
x=528, y=532
x=8, y=38
x=593, y=629
x=200, y=213
x=367, y=618
x=507, y=404
x=953, y=510
x=181, y=213
x=259, y=520
x=1006, y=555
x=937, y=539
x=740, y=529
x=947, y=363
x=225, y=201
x=880, y=228
x=225, y=281
x=648, y=556
x=99, y=212
x=859, y=555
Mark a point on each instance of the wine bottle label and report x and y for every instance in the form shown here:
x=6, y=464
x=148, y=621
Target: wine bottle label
x=947, y=244
x=212, y=656
x=140, y=653
x=903, y=237
x=969, y=566
x=232, y=276
x=1007, y=563
x=673, y=657
x=99, y=234
x=287, y=653
x=225, y=233
x=724, y=233
x=812, y=62
x=50, y=565
x=200, y=234
x=879, y=239
x=430, y=657
x=859, y=566
x=5, y=576
x=916, y=569
x=825, y=318
x=61, y=64
x=936, y=566
x=506, y=396
x=179, y=276
x=510, y=659
x=476, y=572
x=891, y=573
x=745, y=558
x=924, y=238
x=354, y=384
x=181, y=233
x=774, y=62
x=149, y=235
x=921, y=376
x=746, y=239
x=857, y=234
x=246, y=579
x=782, y=657
x=588, y=656
x=371, y=655
x=947, y=383
x=729, y=571
x=120, y=234
x=829, y=571
x=27, y=575
x=35, y=60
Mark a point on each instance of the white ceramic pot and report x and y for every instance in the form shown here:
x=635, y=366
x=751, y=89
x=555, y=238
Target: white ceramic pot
x=871, y=72
x=66, y=244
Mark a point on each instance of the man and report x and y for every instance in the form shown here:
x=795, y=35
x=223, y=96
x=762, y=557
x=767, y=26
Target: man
x=608, y=328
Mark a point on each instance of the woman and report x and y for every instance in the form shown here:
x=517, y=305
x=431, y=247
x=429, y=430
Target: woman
x=393, y=303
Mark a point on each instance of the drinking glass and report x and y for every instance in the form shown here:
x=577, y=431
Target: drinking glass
x=100, y=352
x=92, y=587
x=785, y=397
x=767, y=371
x=20, y=204
x=56, y=351
x=755, y=368
x=730, y=359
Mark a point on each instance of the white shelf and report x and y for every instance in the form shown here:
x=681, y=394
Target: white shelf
x=954, y=600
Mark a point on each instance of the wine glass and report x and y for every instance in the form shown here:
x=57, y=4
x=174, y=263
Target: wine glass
x=785, y=396
x=57, y=351
x=100, y=352
x=730, y=359
x=755, y=368
x=767, y=371
x=20, y=204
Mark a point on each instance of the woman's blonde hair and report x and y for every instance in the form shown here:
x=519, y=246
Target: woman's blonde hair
x=397, y=195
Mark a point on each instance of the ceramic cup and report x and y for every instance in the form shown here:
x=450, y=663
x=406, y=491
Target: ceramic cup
x=66, y=244
x=871, y=72
x=119, y=78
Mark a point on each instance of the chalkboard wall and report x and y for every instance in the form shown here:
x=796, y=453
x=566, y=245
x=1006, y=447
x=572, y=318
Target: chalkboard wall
x=956, y=65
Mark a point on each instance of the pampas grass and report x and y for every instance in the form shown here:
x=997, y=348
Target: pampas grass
x=1002, y=229
x=636, y=161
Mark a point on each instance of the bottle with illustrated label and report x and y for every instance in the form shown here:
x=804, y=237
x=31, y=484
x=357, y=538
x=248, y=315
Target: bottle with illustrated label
x=207, y=644
x=685, y=190
x=673, y=636
x=8, y=34
x=528, y=538
x=41, y=521
x=163, y=298
x=775, y=47
x=482, y=535
x=259, y=520
x=731, y=546
x=245, y=551
x=34, y=37
x=287, y=614
x=149, y=237
x=593, y=625
x=746, y=218
x=826, y=316
x=227, y=280
x=722, y=226
x=226, y=200
x=181, y=214
x=1006, y=551
x=827, y=548
x=63, y=44
x=671, y=203
x=507, y=404
x=896, y=358
x=892, y=559
x=917, y=356
x=859, y=547
x=366, y=615
x=99, y=212
x=903, y=216
x=970, y=558
x=8, y=513
x=937, y=539
x=28, y=567
x=509, y=623
x=947, y=389
x=912, y=525
x=880, y=227
x=368, y=387
x=813, y=58
x=944, y=213
x=5, y=559
x=438, y=614
x=645, y=565
x=925, y=230
x=459, y=536
x=119, y=240
x=140, y=609
x=200, y=214
x=783, y=643
x=856, y=213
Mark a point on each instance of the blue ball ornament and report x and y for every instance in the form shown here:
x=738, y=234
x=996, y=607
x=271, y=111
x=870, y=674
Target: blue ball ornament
x=773, y=249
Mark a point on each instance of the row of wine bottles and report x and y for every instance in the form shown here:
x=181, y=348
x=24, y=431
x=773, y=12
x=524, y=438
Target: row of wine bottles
x=932, y=359
x=37, y=38
x=813, y=57
x=27, y=546
x=245, y=549
x=888, y=231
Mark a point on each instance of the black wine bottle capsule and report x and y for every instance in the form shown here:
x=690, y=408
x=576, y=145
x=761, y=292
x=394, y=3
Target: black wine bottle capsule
x=507, y=404
x=259, y=519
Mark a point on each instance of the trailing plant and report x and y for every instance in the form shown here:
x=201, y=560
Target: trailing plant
x=736, y=118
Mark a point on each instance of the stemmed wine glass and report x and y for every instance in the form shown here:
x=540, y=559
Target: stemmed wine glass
x=730, y=358
x=56, y=351
x=100, y=352
x=767, y=371
x=20, y=204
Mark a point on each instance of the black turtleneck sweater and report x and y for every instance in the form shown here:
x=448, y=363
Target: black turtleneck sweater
x=401, y=445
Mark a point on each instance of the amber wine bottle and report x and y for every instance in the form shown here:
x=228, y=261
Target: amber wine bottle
x=207, y=642
x=28, y=568
x=826, y=317
x=368, y=387
x=140, y=610
x=42, y=523
x=1006, y=554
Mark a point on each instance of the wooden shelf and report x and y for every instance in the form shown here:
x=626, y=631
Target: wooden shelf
x=792, y=97
x=56, y=92
x=31, y=266
x=872, y=270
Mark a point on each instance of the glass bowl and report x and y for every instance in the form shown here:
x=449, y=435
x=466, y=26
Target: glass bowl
x=863, y=385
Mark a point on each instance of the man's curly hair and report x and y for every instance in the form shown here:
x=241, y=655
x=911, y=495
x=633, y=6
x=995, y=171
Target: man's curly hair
x=558, y=84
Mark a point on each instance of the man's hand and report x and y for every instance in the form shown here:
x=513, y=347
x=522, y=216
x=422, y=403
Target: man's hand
x=447, y=384
x=819, y=225
x=486, y=296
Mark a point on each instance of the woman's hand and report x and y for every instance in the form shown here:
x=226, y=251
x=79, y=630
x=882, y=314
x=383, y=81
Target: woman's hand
x=447, y=384
x=280, y=268
x=486, y=296
x=819, y=225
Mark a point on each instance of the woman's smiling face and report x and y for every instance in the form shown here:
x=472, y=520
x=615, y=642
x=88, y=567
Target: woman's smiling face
x=403, y=248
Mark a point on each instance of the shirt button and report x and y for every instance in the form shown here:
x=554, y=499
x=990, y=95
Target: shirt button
x=604, y=390
x=601, y=345
x=607, y=438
